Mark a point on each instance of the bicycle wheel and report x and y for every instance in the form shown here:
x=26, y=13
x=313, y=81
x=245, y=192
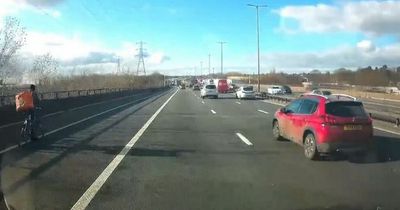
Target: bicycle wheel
x=25, y=133
x=39, y=131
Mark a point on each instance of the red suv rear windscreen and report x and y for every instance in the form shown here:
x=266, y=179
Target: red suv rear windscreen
x=345, y=109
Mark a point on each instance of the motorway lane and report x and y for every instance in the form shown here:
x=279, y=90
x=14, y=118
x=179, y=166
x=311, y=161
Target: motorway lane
x=54, y=173
x=191, y=159
x=10, y=135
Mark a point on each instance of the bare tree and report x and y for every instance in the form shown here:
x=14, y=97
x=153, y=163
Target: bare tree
x=12, y=38
x=44, y=68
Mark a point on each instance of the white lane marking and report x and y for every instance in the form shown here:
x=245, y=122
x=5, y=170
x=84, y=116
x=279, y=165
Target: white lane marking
x=73, y=109
x=212, y=111
x=93, y=116
x=10, y=124
x=89, y=194
x=237, y=102
x=262, y=111
x=74, y=123
x=244, y=139
x=274, y=103
x=385, y=130
x=202, y=102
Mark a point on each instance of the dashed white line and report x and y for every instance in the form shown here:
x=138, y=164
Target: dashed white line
x=202, y=102
x=212, y=111
x=89, y=194
x=262, y=111
x=244, y=139
x=238, y=102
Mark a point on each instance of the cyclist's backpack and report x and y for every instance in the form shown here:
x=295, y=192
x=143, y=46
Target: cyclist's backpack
x=24, y=101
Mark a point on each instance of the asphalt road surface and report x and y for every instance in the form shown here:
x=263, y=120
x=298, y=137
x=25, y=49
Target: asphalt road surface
x=175, y=150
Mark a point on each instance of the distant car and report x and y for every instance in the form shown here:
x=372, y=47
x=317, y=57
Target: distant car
x=286, y=89
x=196, y=87
x=209, y=91
x=182, y=86
x=274, y=90
x=321, y=92
x=246, y=92
x=324, y=124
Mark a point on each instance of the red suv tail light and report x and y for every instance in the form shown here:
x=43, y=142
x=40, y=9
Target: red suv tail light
x=327, y=120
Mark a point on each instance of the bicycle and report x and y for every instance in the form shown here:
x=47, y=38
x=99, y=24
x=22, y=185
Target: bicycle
x=32, y=129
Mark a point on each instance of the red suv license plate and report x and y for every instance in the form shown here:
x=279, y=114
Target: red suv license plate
x=352, y=127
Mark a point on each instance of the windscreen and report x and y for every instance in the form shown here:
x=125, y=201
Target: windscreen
x=346, y=109
x=249, y=88
x=326, y=93
x=210, y=87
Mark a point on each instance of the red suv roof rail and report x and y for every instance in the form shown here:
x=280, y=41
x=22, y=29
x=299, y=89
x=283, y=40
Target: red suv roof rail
x=341, y=96
x=313, y=94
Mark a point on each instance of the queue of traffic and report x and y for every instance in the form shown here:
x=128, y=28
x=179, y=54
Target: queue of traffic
x=320, y=121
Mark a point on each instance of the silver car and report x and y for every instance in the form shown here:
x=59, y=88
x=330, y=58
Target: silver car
x=209, y=91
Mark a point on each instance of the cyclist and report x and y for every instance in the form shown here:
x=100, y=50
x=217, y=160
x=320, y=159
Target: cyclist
x=32, y=112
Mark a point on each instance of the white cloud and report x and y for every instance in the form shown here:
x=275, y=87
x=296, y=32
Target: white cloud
x=364, y=54
x=13, y=7
x=61, y=47
x=366, y=46
x=370, y=17
x=157, y=58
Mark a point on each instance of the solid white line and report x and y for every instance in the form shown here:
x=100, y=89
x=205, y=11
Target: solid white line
x=85, y=199
x=74, y=123
x=385, y=130
x=8, y=149
x=237, y=102
x=212, y=111
x=244, y=139
x=263, y=111
x=11, y=124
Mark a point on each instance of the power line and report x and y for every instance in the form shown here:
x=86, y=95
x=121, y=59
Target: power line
x=141, y=56
x=222, y=56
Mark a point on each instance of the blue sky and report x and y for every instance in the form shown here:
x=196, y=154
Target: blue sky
x=179, y=34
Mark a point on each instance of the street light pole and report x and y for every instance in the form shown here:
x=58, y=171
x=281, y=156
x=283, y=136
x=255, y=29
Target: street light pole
x=222, y=56
x=209, y=64
x=258, y=42
x=201, y=68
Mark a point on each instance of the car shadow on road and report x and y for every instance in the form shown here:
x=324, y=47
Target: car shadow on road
x=383, y=149
x=158, y=152
x=341, y=207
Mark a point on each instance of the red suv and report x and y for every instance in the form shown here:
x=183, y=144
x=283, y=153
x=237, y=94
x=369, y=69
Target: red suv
x=324, y=124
